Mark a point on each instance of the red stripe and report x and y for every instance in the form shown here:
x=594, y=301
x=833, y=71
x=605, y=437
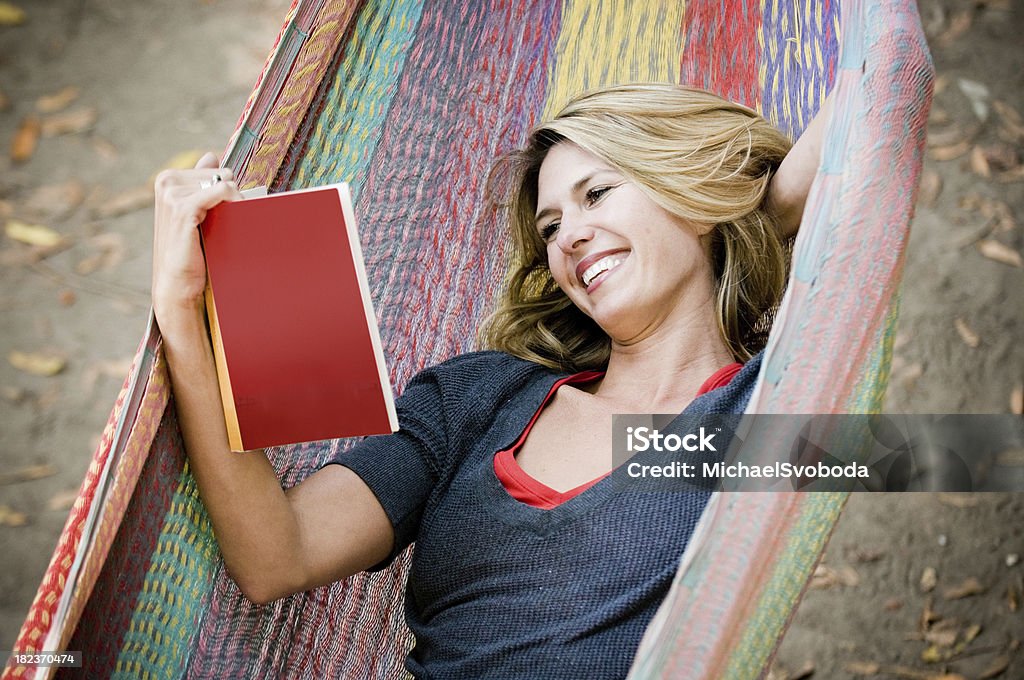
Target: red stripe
x=720, y=52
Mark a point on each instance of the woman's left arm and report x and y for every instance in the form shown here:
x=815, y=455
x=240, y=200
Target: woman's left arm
x=788, y=190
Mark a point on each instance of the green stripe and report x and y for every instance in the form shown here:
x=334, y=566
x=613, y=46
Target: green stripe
x=345, y=137
x=173, y=592
x=781, y=593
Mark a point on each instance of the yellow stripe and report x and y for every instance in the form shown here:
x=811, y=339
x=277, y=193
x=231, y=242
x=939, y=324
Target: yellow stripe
x=645, y=37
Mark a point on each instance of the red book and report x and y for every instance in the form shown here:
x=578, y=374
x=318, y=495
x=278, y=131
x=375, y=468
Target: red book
x=294, y=335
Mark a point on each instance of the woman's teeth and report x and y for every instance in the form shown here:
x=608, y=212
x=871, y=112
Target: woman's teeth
x=602, y=265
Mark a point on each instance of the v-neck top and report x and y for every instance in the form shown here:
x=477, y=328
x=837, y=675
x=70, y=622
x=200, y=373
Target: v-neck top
x=499, y=589
x=528, y=489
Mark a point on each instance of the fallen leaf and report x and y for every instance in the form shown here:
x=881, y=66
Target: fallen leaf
x=959, y=500
x=941, y=638
x=1012, y=559
x=63, y=500
x=931, y=654
x=111, y=250
x=15, y=395
x=958, y=25
x=929, y=578
x=56, y=201
x=5, y=103
x=37, y=363
x=947, y=135
x=967, y=334
x=994, y=250
x=806, y=671
x=931, y=187
x=68, y=122
x=909, y=376
x=1017, y=399
x=1012, y=124
x=105, y=149
x=185, y=160
x=867, y=555
x=1011, y=458
x=995, y=667
x=67, y=297
x=938, y=115
x=11, y=517
x=1012, y=598
x=1015, y=175
x=970, y=586
x=979, y=162
x=11, y=15
x=127, y=201
x=52, y=103
x=28, y=473
x=893, y=604
x=33, y=234
x=977, y=93
x=972, y=632
x=826, y=577
x=24, y=143
x=862, y=667
x=948, y=153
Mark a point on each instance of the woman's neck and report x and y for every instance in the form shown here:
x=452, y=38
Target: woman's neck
x=663, y=371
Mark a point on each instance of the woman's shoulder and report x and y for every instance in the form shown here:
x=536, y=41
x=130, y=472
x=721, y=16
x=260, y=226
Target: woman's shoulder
x=483, y=371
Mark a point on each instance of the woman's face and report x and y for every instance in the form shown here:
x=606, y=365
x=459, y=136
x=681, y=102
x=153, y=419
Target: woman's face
x=621, y=258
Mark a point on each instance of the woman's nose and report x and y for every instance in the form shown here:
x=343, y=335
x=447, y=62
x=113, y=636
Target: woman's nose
x=572, y=234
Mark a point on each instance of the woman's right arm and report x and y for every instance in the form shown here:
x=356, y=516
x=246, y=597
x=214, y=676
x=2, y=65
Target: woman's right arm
x=274, y=542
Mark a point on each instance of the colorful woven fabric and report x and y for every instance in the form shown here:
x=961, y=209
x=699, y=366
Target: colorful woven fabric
x=410, y=101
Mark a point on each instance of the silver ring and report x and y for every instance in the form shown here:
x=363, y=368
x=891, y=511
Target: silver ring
x=216, y=178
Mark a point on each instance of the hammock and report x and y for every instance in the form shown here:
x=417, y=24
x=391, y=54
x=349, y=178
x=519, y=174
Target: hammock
x=409, y=101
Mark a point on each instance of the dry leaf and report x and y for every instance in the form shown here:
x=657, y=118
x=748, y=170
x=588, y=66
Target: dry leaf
x=67, y=297
x=994, y=250
x=941, y=638
x=185, y=160
x=56, y=201
x=932, y=654
x=862, y=667
x=967, y=334
x=105, y=149
x=893, y=604
x=63, y=500
x=111, y=250
x=959, y=500
x=978, y=95
x=5, y=103
x=958, y=25
x=1015, y=175
x=57, y=101
x=867, y=555
x=947, y=135
x=948, y=153
x=970, y=586
x=938, y=116
x=69, y=122
x=995, y=667
x=10, y=14
x=979, y=162
x=24, y=143
x=28, y=473
x=9, y=516
x=1012, y=127
x=931, y=187
x=1012, y=598
x=33, y=234
x=1017, y=399
x=826, y=577
x=929, y=578
x=37, y=363
x=909, y=376
x=125, y=202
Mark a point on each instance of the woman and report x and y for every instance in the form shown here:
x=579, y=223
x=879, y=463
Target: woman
x=645, y=223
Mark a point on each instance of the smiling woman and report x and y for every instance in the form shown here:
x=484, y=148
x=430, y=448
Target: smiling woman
x=681, y=154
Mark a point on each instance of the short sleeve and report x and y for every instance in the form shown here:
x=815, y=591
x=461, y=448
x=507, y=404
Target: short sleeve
x=403, y=468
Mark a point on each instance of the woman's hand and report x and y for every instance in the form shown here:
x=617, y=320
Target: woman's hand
x=182, y=199
x=787, y=193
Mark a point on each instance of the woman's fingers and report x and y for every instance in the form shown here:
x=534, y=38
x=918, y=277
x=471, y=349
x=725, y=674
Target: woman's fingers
x=209, y=160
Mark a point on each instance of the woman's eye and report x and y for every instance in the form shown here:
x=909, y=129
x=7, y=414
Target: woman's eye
x=548, y=231
x=595, y=194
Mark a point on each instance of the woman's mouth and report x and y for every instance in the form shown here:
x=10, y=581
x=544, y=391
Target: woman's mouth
x=595, y=273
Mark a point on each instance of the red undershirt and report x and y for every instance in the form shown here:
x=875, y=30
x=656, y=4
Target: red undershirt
x=530, y=491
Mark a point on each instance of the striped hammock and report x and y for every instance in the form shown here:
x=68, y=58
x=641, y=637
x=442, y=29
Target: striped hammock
x=410, y=101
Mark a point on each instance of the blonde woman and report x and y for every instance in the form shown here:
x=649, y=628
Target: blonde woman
x=648, y=223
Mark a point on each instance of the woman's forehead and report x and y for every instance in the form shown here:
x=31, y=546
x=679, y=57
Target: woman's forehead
x=566, y=167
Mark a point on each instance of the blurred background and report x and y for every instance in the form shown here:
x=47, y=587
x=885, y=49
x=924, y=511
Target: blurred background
x=96, y=96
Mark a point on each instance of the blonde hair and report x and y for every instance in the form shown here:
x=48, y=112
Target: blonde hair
x=694, y=154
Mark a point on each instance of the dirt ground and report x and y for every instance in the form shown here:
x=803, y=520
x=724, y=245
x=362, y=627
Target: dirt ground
x=912, y=585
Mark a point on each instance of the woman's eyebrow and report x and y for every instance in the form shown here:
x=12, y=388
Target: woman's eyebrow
x=579, y=184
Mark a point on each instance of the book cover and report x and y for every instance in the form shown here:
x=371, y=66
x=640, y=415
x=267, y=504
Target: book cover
x=295, y=338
